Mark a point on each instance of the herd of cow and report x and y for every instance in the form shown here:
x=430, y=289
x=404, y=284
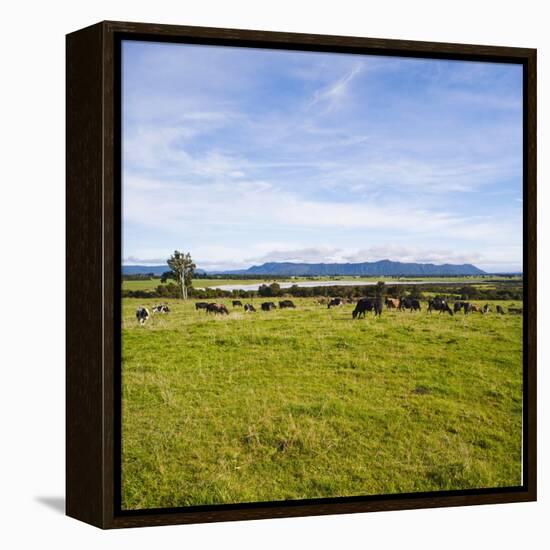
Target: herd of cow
x=363, y=305
x=220, y=308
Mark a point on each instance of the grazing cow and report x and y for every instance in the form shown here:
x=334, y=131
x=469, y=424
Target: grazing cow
x=237, y=303
x=268, y=306
x=486, y=309
x=286, y=304
x=500, y=310
x=439, y=304
x=410, y=304
x=335, y=302
x=201, y=305
x=142, y=314
x=161, y=308
x=367, y=304
x=249, y=307
x=515, y=310
x=392, y=303
x=458, y=306
x=217, y=308
x=471, y=308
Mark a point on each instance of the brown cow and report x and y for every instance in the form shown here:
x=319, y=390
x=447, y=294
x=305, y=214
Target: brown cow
x=471, y=308
x=392, y=303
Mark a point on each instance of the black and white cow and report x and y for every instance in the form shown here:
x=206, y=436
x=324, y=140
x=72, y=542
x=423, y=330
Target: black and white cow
x=161, y=308
x=142, y=314
x=439, y=304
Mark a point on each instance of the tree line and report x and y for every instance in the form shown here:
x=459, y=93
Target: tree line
x=274, y=290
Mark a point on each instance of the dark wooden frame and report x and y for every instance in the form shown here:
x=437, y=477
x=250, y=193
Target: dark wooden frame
x=93, y=273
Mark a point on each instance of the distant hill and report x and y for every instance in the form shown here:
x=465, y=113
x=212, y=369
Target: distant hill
x=144, y=269
x=375, y=269
x=380, y=268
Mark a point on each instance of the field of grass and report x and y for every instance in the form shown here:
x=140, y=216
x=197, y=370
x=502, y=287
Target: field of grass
x=307, y=403
x=197, y=283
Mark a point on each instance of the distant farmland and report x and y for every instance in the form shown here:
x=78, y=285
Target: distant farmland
x=151, y=284
x=306, y=403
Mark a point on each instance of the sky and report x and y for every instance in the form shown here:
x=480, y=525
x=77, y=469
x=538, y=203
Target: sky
x=243, y=156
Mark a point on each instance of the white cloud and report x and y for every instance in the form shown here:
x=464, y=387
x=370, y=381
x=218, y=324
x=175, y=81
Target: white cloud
x=335, y=93
x=397, y=252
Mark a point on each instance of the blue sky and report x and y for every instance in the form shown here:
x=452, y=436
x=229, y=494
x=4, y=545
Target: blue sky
x=242, y=156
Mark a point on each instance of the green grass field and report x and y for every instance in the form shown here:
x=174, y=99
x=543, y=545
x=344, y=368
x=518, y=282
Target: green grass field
x=197, y=283
x=306, y=403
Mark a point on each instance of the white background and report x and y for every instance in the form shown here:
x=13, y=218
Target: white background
x=32, y=126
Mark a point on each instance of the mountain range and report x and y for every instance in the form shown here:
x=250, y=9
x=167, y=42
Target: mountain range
x=377, y=269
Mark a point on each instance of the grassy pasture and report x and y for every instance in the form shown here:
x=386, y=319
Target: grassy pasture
x=151, y=284
x=307, y=403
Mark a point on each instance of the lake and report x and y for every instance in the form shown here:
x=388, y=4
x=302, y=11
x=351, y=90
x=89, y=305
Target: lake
x=256, y=286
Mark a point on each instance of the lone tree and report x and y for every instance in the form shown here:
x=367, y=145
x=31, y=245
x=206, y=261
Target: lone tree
x=183, y=268
x=380, y=292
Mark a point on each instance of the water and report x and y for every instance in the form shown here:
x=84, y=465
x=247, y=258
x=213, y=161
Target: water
x=256, y=286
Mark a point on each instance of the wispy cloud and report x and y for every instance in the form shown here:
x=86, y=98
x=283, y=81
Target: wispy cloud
x=332, y=95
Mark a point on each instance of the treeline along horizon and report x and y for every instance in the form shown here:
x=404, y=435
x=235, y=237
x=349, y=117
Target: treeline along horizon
x=259, y=277
x=501, y=291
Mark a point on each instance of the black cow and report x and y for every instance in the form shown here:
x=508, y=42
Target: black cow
x=201, y=305
x=161, y=308
x=268, y=306
x=217, y=308
x=286, y=304
x=486, y=309
x=439, y=304
x=237, y=303
x=367, y=304
x=249, y=307
x=500, y=310
x=142, y=314
x=410, y=304
x=335, y=302
x=458, y=306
